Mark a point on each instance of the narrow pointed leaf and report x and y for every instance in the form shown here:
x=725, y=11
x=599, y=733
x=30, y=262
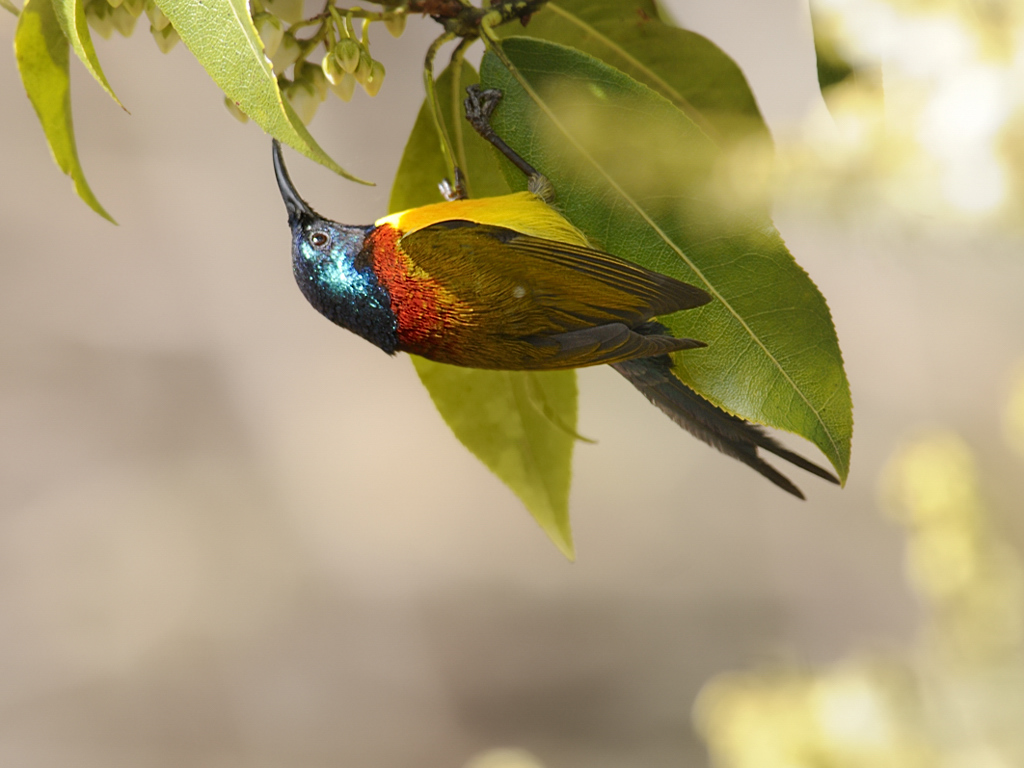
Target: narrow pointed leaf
x=71, y=15
x=684, y=67
x=637, y=176
x=42, y=54
x=10, y=6
x=222, y=37
x=519, y=424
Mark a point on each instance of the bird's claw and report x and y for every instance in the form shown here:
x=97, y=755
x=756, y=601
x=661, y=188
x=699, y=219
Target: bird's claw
x=456, y=191
x=480, y=104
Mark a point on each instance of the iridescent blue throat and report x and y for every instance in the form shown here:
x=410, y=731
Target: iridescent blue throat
x=336, y=276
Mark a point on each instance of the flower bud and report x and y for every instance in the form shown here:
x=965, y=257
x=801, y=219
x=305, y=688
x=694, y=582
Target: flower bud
x=235, y=111
x=156, y=16
x=166, y=38
x=286, y=10
x=345, y=86
x=375, y=80
x=347, y=52
x=98, y=15
x=271, y=32
x=362, y=72
x=287, y=53
x=313, y=75
x=122, y=20
x=395, y=23
x=134, y=7
x=332, y=70
x=304, y=100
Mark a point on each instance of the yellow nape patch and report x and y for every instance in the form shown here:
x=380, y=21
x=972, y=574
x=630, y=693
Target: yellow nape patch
x=521, y=211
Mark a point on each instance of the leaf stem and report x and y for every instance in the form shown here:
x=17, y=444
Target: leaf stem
x=493, y=44
x=458, y=55
x=435, y=110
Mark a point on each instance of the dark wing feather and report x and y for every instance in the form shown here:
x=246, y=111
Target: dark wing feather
x=606, y=343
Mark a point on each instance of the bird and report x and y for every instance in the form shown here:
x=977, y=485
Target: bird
x=508, y=283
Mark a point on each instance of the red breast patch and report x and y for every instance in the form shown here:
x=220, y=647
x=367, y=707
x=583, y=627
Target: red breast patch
x=417, y=299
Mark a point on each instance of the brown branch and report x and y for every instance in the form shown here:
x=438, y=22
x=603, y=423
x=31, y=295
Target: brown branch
x=462, y=19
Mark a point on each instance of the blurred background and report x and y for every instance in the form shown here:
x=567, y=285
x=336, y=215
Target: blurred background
x=232, y=534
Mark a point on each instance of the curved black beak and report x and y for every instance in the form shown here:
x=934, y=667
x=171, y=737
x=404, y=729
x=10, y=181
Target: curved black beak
x=297, y=207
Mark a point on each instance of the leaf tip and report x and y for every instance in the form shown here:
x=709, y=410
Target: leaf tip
x=360, y=181
x=102, y=212
x=561, y=538
x=86, y=194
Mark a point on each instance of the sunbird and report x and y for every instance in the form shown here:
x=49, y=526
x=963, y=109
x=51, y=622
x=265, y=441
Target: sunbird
x=508, y=283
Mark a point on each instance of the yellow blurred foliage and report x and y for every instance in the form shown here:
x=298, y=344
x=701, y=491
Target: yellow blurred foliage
x=956, y=700
x=1013, y=416
x=504, y=758
x=852, y=716
x=947, y=137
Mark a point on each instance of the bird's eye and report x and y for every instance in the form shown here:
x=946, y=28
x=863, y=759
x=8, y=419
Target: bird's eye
x=319, y=239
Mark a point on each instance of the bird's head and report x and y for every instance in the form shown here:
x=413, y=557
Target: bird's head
x=324, y=261
x=316, y=242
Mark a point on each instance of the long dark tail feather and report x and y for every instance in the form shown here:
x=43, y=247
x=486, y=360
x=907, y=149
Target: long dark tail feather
x=731, y=435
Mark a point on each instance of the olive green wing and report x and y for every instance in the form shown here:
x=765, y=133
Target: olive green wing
x=529, y=302
x=582, y=285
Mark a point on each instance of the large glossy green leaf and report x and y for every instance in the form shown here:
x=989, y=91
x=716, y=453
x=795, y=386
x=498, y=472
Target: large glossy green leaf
x=637, y=176
x=71, y=14
x=42, y=53
x=222, y=37
x=519, y=424
x=684, y=67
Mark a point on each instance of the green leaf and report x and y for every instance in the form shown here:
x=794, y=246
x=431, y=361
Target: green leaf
x=42, y=54
x=682, y=66
x=10, y=6
x=222, y=37
x=638, y=177
x=422, y=166
x=834, y=70
x=500, y=417
x=519, y=424
x=71, y=15
x=832, y=67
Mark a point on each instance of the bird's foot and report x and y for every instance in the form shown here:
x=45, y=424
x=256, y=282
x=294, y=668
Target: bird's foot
x=480, y=104
x=455, y=191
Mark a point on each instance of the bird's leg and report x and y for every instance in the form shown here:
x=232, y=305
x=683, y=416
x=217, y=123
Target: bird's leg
x=449, y=190
x=480, y=104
